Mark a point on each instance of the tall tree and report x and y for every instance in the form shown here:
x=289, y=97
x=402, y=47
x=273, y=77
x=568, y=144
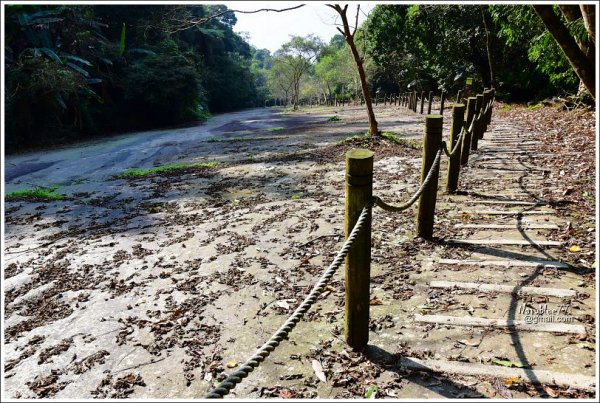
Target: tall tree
x=581, y=63
x=489, y=43
x=358, y=59
x=299, y=54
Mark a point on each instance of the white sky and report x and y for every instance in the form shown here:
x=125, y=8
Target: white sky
x=269, y=30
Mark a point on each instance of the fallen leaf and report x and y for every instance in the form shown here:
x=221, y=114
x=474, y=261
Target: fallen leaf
x=375, y=301
x=512, y=380
x=232, y=364
x=318, y=368
x=470, y=343
x=551, y=392
x=574, y=248
x=286, y=394
x=507, y=363
x=371, y=392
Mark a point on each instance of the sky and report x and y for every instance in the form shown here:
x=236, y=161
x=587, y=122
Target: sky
x=269, y=30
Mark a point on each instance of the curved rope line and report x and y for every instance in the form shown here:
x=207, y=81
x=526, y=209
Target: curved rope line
x=265, y=350
x=413, y=199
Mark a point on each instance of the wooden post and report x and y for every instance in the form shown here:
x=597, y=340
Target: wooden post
x=487, y=95
x=432, y=141
x=430, y=98
x=359, y=190
x=422, y=101
x=442, y=99
x=458, y=116
x=459, y=97
x=493, y=92
x=466, y=145
x=478, y=123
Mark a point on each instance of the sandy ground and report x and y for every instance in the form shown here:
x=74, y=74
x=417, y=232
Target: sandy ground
x=157, y=287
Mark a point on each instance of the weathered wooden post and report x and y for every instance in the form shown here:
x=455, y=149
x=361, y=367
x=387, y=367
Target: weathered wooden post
x=442, y=99
x=422, y=101
x=459, y=97
x=466, y=142
x=478, y=122
x=487, y=95
x=432, y=141
x=415, y=103
x=458, y=116
x=430, y=98
x=359, y=190
x=493, y=93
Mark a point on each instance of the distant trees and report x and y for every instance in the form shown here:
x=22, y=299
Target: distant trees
x=72, y=71
x=297, y=55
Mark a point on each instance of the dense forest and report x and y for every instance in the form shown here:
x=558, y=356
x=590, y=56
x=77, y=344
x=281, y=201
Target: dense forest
x=75, y=71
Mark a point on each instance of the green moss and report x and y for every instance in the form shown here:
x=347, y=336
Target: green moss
x=37, y=194
x=534, y=107
x=139, y=173
x=296, y=197
x=505, y=108
x=334, y=118
x=411, y=143
x=276, y=129
x=352, y=139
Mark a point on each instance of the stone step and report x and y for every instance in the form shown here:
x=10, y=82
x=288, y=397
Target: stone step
x=507, y=212
x=506, y=263
x=536, y=376
x=517, y=226
x=512, y=324
x=506, y=202
x=522, y=242
x=505, y=289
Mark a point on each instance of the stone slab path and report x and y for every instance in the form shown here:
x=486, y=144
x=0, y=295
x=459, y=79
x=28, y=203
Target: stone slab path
x=501, y=275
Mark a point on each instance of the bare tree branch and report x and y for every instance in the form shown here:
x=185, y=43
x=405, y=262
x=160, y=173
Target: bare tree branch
x=356, y=21
x=192, y=23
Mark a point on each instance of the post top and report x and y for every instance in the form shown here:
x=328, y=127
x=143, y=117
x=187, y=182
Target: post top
x=473, y=98
x=461, y=105
x=359, y=153
x=434, y=117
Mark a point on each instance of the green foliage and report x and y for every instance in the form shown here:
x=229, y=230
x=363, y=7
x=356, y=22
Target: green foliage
x=163, y=89
x=70, y=75
x=38, y=193
x=171, y=168
x=334, y=118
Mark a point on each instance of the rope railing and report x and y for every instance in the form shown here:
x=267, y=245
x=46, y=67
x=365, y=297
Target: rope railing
x=359, y=198
x=267, y=348
x=417, y=194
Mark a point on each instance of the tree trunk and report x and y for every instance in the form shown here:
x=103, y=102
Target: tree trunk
x=583, y=67
x=489, y=43
x=373, y=129
x=588, y=11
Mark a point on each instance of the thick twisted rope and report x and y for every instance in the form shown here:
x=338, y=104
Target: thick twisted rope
x=263, y=352
x=456, y=148
x=415, y=197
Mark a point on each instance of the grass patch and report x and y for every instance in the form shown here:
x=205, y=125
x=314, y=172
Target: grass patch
x=352, y=139
x=140, y=173
x=505, y=108
x=276, y=129
x=334, y=118
x=411, y=143
x=296, y=197
x=38, y=193
x=534, y=107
